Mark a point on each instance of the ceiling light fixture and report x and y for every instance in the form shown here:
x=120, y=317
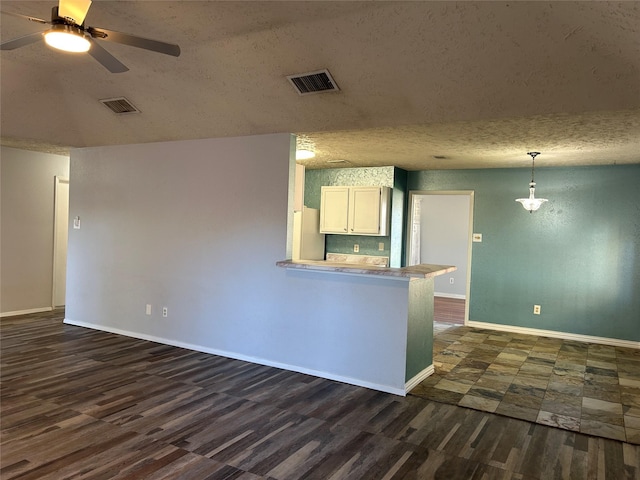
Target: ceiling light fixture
x=532, y=203
x=304, y=154
x=67, y=38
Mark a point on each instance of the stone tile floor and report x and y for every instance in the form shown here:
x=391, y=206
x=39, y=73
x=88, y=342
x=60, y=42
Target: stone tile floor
x=582, y=387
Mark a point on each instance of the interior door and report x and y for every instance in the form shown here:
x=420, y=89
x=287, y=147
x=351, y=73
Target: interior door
x=440, y=232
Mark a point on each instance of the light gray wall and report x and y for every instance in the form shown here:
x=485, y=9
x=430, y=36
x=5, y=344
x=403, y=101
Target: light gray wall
x=198, y=227
x=27, y=199
x=444, y=239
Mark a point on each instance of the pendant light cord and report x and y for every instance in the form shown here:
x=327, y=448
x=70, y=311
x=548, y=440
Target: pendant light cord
x=533, y=162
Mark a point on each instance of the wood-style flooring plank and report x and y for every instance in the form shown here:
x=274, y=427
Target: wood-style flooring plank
x=448, y=310
x=88, y=405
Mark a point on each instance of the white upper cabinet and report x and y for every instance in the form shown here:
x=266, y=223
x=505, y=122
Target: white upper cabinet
x=354, y=210
x=334, y=210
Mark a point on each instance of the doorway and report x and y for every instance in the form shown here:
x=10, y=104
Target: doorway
x=60, y=238
x=440, y=232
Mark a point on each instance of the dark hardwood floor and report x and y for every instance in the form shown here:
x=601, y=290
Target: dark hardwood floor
x=448, y=310
x=84, y=404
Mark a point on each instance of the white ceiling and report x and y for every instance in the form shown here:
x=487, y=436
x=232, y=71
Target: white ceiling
x=480, y=83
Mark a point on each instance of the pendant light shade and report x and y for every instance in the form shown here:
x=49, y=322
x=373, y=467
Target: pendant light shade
x=532, y=203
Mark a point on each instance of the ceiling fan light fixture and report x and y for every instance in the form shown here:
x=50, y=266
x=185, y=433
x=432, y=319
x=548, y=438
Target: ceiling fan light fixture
x=67, y=38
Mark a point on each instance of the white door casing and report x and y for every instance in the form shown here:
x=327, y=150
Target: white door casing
x=418, y=233
x=60, y=237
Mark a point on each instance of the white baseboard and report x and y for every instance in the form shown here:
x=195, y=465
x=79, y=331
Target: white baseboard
x=245, y=358
x=615, y=342
x=26, y=312
x=413, y=383
x=450, y=295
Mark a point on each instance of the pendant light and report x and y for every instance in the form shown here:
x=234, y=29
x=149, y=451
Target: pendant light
x=532, y=203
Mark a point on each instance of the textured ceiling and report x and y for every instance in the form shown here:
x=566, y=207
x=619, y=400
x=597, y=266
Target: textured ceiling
x=480, y=83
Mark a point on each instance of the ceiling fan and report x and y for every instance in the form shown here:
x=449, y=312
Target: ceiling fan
x=69, y=33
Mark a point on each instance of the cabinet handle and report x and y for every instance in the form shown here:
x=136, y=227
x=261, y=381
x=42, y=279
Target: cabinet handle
x=345, y=229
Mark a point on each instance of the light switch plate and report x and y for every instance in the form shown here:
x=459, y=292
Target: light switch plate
x=477, y=237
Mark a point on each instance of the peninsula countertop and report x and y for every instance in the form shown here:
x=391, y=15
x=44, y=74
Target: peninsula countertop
x=423, y=270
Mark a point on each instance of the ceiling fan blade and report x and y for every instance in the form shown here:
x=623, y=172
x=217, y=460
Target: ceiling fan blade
x=74, y=9
x=21, y=41
x=107, y=60
x=135, y=41
x=25, y=17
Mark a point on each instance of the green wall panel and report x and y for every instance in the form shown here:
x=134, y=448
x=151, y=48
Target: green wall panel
x=419, y=327
x=578, y=256
x=359, y=177
x=398, y=222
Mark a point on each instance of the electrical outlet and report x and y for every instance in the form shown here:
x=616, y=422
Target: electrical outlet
x=536, y=309
x=356, y=248
x=381, y=246
x=165, y=312
x=148, y=309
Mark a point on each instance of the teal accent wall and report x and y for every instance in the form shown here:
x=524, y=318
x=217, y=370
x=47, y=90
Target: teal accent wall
x=368, y=244
x=361, y=177
x=578, y=256
x=398, y=222
x=419, y=327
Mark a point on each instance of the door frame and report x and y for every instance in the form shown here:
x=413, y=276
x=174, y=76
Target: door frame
x=56, y=220
x=413, y=194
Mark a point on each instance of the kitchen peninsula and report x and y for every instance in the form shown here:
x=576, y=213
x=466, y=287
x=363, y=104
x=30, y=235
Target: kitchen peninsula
x=391, y=332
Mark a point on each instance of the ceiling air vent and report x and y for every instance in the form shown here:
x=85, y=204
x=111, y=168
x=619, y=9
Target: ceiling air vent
x=119, y=105
x=313, y=82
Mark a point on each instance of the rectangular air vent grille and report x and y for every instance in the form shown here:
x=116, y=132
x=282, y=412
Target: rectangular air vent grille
x=119, y=105
x=313, y=82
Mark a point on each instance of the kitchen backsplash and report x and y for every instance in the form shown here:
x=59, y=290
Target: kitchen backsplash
x=368, y=176
x=392, y=177
x=367, y=245
x=359, y=177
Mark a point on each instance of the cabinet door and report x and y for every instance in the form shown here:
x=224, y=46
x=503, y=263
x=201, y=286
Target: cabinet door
x=364, y=210
x=334, y=210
